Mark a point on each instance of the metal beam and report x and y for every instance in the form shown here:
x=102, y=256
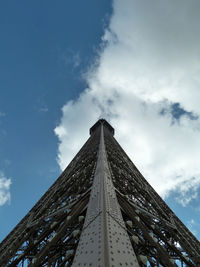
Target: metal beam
x=104, y=241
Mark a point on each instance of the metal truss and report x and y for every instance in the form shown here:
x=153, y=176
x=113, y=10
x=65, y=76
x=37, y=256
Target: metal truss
x=100, y=212
x=104, y=240
x=48, y=235
x=158, y=237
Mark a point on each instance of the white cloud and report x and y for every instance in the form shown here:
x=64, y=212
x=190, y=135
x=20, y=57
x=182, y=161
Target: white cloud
x=150, y=61
x=4, y=189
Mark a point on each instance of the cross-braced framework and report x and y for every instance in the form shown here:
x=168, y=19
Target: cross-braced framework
x=100, y=212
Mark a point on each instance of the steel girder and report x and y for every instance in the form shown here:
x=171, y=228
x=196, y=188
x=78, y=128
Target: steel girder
x=100, y=212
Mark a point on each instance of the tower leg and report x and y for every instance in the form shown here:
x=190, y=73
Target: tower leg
x=104, y=240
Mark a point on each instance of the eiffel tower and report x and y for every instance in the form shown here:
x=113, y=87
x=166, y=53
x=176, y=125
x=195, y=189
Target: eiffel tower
x=100, y=212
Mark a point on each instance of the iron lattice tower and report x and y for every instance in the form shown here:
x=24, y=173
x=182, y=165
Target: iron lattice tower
x=100, y=212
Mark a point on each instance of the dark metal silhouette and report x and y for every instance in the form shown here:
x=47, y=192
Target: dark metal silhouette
x=100, y=212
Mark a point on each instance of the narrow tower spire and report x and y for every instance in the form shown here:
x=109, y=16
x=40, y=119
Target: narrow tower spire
x=104, y=240
x=100, y=212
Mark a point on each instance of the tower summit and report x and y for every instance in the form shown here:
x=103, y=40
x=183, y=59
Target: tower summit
x=100, y=212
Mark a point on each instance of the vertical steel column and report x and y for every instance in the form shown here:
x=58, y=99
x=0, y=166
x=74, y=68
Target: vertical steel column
x=104, y=241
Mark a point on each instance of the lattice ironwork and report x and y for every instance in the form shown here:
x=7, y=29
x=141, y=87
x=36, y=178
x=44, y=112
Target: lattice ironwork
x=100, y=212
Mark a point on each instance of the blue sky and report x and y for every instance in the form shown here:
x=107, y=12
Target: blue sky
x=45, y=48
x=63, y=65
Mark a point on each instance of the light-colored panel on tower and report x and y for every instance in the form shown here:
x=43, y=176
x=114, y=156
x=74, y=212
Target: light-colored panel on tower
x=104, y=240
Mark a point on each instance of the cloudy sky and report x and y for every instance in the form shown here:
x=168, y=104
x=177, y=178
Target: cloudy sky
x=65, y=65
